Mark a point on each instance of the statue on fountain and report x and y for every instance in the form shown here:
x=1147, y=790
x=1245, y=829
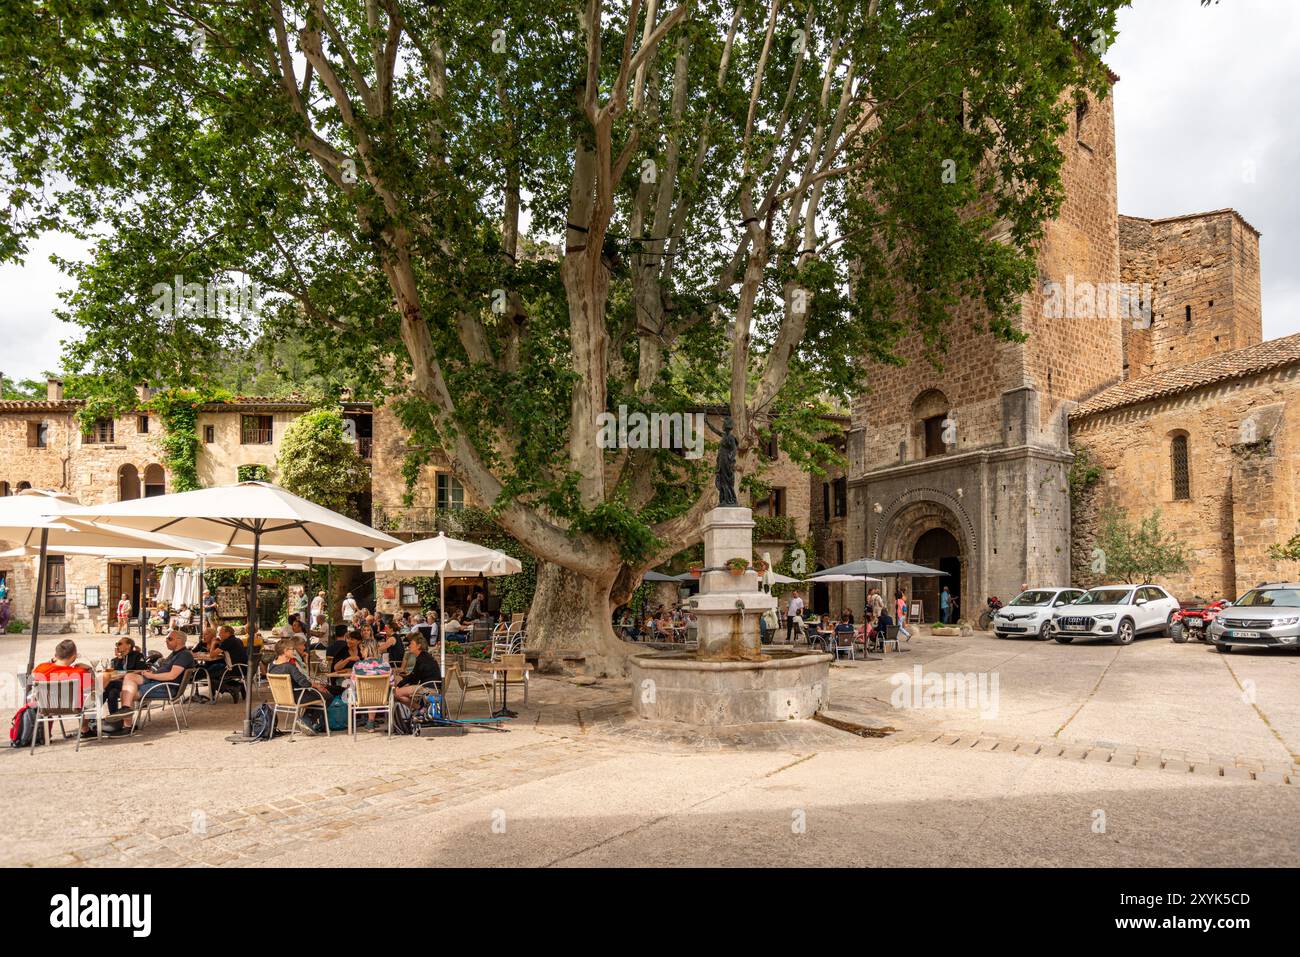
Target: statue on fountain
x=725, y=475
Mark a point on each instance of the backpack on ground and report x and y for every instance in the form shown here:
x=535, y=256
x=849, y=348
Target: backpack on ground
x=402, y=723
x=336, y=713
x=262, y=727
x=24, y=726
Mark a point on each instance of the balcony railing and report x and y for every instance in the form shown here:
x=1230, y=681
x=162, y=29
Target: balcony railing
x=404, y=518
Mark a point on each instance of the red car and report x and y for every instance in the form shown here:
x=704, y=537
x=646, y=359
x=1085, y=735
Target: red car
x=1193, y=618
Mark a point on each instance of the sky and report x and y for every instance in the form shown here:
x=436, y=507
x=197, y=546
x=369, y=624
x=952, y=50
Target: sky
x=1204, y=119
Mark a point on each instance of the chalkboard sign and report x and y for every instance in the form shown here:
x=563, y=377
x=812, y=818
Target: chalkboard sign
x=232, y=601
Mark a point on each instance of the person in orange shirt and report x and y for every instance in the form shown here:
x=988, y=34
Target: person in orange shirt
x=63, y=668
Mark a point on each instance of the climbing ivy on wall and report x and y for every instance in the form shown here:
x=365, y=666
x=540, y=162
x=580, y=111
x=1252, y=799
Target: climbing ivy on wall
x=178, y=411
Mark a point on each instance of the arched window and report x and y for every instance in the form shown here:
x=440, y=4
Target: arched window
x=1178, y=466
x=128, y=483
x=155, y=481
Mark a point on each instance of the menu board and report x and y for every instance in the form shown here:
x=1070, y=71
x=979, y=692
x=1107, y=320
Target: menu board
x=232, y=601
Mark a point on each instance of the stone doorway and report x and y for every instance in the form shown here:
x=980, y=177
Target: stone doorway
x=938, y=548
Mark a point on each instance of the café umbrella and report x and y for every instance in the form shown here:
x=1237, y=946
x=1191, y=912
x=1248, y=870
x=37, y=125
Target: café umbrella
x=40, y=520
x=256, y=514
x=428, y=557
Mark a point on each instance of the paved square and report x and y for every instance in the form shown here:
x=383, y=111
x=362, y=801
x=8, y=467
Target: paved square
x=1090, y=758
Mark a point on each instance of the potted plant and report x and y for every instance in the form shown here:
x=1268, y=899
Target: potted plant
x=697, y=571
x=737, y=566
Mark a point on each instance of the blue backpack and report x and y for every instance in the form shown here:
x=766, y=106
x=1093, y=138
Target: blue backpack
x=336, y=713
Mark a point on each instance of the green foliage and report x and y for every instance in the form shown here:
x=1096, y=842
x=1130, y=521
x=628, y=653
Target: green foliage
x=1288, y=552
x=1084, y=474
x=796, y=561
x=768, y=528
x=253, y=473
x=317, y=461
x=24, y=389
x=1138, y=553
x=178, y=411
x=17, y=625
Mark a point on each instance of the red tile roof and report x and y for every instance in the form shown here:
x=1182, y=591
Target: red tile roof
x=1252, y=360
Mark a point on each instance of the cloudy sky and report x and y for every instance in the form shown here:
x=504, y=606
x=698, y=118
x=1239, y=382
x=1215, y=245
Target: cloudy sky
x=1205, y=113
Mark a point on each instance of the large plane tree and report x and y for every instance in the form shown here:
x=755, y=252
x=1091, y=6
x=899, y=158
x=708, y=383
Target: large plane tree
x=514, y=216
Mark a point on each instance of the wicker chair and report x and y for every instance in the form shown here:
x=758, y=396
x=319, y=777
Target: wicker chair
x=371, y=694
x=284, y=702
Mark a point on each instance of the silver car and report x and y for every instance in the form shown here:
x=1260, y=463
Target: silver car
x=1264, y=617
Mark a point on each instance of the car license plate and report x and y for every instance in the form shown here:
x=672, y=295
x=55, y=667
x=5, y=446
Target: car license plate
x=1074, y=627
x=1246, y=634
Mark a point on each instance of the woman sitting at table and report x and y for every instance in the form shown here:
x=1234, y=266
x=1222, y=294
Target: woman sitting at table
x=345, y=653
x=286, y=663
x=425, y=669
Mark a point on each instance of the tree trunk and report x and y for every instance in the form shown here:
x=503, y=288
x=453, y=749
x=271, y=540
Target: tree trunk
x=572, y=613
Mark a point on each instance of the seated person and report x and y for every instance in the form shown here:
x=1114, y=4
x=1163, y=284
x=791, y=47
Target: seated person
x=424, y=669
x=391, y=644
x=453, y=626
x=64, y=667
x=184, y=616
x=126, y=656
x=344, y=652
x=160, y=682
x=846, y=617
x=304, y=689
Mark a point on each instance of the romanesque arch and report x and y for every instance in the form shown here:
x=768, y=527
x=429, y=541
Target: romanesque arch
x=155, y=481
x=914, y=527
x=128, y=483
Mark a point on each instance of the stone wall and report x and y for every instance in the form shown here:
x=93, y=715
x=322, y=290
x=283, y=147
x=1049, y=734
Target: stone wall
x=1243, y=495
x=1204, y=274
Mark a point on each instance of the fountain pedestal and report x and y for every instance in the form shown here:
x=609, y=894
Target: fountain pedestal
x=728, y=680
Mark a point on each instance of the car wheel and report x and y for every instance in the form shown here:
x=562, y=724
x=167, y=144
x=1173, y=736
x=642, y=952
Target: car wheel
x=1223, y=649
x=1124, y=636
x=1064, y=639
x=1045, y=631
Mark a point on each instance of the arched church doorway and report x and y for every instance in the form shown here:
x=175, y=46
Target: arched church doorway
x=938, y=548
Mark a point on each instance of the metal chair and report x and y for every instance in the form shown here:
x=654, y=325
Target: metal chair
x=56, y=700
x=467, y=681
x=234, y=676
x=284, y=701
x=842, y=643
x=371, y=694
x=890, y=637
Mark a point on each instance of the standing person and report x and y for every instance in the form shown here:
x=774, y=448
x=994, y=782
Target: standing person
x=900, y=614
x=6, y=612
x=954, y=612
x=945, y=602
x=877, y=602
x=349, y=608
x=317, y=610
x=475, y=609
x=123, y=614
x=795, y=607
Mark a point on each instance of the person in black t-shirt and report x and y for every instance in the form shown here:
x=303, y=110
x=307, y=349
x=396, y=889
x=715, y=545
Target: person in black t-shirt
x=425, y=669
x=344, y=652
x=168, y=671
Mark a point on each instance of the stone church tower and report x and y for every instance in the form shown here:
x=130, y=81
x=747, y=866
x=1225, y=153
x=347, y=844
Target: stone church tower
x=965, y=469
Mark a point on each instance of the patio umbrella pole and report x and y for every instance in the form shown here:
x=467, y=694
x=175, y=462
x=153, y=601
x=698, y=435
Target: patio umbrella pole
x=144, y=606
x=40, y=600
x=252, y=629
x=442, y=621
x=329, y=600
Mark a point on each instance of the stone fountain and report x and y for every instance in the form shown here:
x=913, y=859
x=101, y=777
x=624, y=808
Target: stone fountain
x=728, y=679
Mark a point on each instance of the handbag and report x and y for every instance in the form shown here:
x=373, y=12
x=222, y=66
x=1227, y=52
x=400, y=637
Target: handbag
x=336, y=713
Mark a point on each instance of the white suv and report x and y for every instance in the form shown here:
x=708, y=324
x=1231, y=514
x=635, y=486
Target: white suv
x=1030, y=612
x=1117, y=612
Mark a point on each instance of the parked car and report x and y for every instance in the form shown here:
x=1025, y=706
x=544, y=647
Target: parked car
x=1117, y=612
x=1030, y=612
x=1192, y=620
x=1267, y=616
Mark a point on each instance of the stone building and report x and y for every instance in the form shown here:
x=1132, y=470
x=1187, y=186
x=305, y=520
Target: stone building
x=122, y=458
x=1143, y=339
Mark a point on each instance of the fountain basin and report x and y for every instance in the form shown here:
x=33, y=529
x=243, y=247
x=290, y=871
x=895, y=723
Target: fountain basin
x=676, y=686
